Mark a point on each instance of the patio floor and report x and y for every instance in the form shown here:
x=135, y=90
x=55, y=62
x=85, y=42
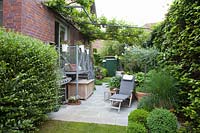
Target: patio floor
x=94, y=110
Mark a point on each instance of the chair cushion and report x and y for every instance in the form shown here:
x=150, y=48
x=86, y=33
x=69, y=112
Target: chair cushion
x=127, y=77
x=119, y=96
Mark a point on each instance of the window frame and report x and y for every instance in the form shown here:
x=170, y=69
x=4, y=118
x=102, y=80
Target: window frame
x=1, y=12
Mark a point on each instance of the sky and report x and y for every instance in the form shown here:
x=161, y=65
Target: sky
x=137, y=12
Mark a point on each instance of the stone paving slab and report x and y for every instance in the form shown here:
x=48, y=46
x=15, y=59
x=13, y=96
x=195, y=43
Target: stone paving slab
x=94, y=110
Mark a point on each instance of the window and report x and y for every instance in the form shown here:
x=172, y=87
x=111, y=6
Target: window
x=61, y=34
x=1, y=12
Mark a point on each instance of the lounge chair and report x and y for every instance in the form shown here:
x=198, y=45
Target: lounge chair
x=125, y=92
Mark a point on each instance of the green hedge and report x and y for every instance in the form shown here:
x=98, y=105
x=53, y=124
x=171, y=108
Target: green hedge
x=178, y=38
x=161, y=121
x=138, y=115
x=135, y=127
x=28, y=82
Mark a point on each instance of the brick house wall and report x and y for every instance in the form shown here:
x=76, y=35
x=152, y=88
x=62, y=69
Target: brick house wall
x=12, y=14
x=75, y=35
x=37, y=20
x=32, y=18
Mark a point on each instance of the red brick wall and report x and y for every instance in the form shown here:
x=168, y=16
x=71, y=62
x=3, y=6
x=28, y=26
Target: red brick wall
x=32, y=18
x=37, y=20
x=75, y=35
x=12, y=14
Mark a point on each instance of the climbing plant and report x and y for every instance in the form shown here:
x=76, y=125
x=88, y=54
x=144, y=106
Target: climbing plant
x=91, y=26
x=179, y=40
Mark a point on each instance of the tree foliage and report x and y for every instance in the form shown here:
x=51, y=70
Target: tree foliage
x=139, y=59
x=179, y=39
x=111, y=48
x=113, y=29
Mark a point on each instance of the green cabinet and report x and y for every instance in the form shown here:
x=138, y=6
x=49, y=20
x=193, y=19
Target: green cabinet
x=111, y=64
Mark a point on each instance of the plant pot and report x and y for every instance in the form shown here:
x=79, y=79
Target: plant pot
x=113, y=90
x=78, y=102
x=139, y=95
x=172, y=110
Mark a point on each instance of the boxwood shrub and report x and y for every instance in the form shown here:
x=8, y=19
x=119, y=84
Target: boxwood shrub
x=138, y=115
x=135, y=127
x=162, y=121
x=28, y=82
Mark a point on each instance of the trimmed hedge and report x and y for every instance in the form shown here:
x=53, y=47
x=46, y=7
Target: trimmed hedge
x=161, y=121
x=28, y=82
x=179, y=41
x=135, y=127
x=138, y=115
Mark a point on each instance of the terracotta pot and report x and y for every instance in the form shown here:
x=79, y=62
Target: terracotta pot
x=172, y=110
x=139, y=95
x=74, y=103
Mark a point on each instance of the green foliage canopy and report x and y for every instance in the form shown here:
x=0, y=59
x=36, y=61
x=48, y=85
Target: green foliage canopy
x=113, y=29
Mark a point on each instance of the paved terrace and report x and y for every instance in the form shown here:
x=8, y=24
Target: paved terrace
x=94, y=110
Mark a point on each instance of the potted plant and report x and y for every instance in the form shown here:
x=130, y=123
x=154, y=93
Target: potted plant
x=114, y=83
x=141, y=92
x=140, y=89
x=73, y=100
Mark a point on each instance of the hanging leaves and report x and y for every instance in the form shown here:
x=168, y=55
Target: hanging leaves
x=92, y=27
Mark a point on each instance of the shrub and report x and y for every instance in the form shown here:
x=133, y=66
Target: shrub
x=28, y=82
x=146, y=103
x=115, y=82
x=135, y=127
x=162, y=87
x=161, y=121
x=139, y=59
x=100, y=72
x=138, y=115
x=179, y=44
x=139, y=77
x=97, y=57
x=104, y=71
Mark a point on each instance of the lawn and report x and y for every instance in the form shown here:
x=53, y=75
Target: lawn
x=104, y=80
x=54, y=126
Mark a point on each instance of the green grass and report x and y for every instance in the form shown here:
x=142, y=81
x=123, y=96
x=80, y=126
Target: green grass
x=98, y=82
x=104, y=80
x=54, y=126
